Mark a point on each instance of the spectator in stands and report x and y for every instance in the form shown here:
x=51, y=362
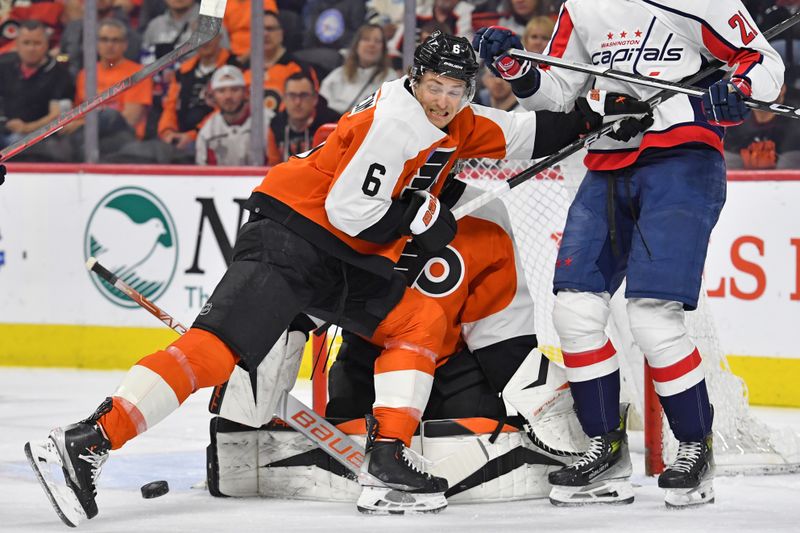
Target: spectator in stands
x=292, y=129
x=764, y=141
x=171, y=28
x=122, y=118
x=517, y=13
x=449, y=16
x=186, y=106
x=456, y=14
x=14, y=13
x=237, y=24
x=279, y=63
x=34, y=89
x=225, y=137
x=72, y=38
x=498, y=93
x=537, y=34
x=162, y=35
x=364, y=69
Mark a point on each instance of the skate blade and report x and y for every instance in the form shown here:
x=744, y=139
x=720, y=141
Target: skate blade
x=607, y=492
x=44, y=459
x=685, y=498
x=385, y=501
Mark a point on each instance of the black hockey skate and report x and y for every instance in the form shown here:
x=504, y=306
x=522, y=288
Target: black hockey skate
x=392, y=481
x=689, y=480
x=601, y=475
x=79, y=451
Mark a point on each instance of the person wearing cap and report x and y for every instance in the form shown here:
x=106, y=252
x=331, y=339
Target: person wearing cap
x=224, y=139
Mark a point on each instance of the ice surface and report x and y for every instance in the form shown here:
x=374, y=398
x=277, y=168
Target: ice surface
x=33, y=401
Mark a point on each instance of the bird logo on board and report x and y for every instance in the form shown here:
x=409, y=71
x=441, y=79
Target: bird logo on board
x=132, y=234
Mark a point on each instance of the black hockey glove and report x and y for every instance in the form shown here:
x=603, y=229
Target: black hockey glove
x=429, y=221
x=600, y=106
x=2, y=174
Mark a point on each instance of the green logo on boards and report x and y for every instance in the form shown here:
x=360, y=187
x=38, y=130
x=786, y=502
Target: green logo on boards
x=132, y=234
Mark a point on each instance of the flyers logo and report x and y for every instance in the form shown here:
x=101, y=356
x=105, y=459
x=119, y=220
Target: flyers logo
x=442, y=274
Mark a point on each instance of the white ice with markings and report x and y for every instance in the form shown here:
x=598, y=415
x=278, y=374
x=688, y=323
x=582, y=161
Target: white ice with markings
x=32, y=401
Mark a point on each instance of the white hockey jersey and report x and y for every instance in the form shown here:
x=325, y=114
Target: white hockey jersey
x=665, y=39
x=222, y=144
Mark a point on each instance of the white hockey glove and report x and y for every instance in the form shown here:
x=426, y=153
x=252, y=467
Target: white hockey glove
x=600, y=107
x=429, y=221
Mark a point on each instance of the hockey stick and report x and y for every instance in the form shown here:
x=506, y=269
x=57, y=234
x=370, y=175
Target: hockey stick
x=578, y=144
x=297, y=415
x=208, y=25
x=629, y=77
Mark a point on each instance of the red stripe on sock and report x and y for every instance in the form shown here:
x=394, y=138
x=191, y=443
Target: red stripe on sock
x=581, y=359
x=676, y=370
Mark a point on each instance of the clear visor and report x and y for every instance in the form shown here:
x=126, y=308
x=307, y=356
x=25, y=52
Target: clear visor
x=463, y=92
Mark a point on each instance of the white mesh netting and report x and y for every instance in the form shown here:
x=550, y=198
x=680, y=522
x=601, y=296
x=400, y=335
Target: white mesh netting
x=538, y=209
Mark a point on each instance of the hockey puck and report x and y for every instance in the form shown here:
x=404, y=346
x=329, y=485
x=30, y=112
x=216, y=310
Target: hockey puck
x=154, y=489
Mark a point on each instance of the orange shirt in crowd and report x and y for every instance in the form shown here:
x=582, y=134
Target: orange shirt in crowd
x=141, y=93
x=169, y=116
x=237, y=23
x=275, y=78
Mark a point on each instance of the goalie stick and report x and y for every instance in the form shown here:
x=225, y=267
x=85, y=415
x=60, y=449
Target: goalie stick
x=208, y=25
x=578, y=144
x=297, y=415
x=629, y=77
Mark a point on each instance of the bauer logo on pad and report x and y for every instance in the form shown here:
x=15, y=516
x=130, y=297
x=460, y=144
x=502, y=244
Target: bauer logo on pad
x=131, y=232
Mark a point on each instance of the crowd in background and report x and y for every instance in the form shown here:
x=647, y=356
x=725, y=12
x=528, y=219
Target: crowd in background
x=321, y=57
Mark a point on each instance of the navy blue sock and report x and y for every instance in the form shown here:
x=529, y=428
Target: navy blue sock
x=689, y=413
x=597, y=403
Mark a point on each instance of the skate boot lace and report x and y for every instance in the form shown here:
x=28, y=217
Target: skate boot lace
x=688, y=454
x=96, y=461
x=596, y=446
x=415, y=461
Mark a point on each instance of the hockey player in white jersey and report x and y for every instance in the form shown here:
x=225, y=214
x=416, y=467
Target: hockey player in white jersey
x=644, y=212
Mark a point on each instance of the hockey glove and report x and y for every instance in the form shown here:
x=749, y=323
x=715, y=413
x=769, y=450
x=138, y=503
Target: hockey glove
x=492, y=43
x=600, y=106
x=431, y=222
x=2, y=174
x=723, y=104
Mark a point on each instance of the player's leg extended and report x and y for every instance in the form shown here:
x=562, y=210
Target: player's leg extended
x=591, y=261
x=160, y=382
x=682, y=196
x=411, y=334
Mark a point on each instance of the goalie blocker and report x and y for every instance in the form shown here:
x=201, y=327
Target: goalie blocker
x=466, y=435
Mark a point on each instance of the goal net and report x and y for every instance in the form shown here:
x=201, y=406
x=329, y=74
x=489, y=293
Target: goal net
x=538, y=209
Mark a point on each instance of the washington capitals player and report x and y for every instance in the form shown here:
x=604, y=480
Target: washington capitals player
x=644, y=211
x=325, y=231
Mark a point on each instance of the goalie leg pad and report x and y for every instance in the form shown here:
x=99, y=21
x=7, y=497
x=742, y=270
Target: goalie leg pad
x=275, y=462
x=539, y=392
x=240, y=402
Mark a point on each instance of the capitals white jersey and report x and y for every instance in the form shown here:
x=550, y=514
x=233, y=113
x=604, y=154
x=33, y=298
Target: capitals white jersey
x=222, y=144
x=665, y=39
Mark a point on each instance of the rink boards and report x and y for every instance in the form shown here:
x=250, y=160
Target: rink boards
x=169, y=231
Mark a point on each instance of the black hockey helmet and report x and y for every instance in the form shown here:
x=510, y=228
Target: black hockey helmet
x=449, y=56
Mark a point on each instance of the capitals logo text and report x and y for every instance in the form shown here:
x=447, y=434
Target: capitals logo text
x=620, y=48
